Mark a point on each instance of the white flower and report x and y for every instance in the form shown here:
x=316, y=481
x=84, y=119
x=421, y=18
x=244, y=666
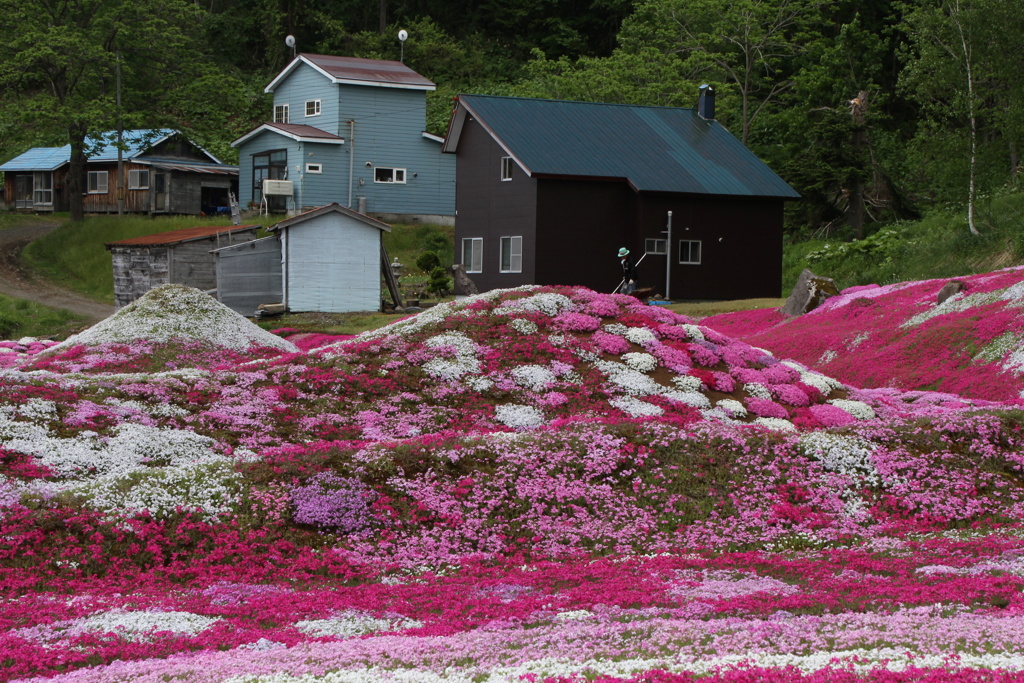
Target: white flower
x=641, y=362
x=694, y=332
x=519, y=416
x=547, y=303
x=732, y=407
x=639, y=335
x=635, y=407
x=859, y=409
x=688, y=382
x=822, y=383
x=634, y=382
x=690, y=398
x=843, y=454
x=523, y=326
x=776, y=423
x=757, y=390
x=353, y=623
x=827, y=357
x=533, y=377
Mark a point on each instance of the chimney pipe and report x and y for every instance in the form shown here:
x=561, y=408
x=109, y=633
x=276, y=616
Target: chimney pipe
x=706, y=103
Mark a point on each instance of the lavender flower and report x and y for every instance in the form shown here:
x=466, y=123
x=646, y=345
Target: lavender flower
x=330, y=501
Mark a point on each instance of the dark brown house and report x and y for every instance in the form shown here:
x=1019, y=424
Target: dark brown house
x=163, y=173
x=547, y=191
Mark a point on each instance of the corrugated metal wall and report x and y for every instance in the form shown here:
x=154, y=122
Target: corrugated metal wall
x=249, y=274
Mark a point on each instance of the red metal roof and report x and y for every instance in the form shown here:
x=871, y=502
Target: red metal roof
x=370, y=70
x=303, y=131
x=183, y=235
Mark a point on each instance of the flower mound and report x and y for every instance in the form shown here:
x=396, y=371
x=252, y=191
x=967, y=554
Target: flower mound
x=543, y=483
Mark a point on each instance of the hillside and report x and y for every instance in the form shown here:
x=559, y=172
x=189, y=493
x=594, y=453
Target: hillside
x=901, y=336
x=542, y=482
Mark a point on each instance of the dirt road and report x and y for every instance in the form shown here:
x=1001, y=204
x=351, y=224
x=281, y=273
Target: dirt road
x=17, y=282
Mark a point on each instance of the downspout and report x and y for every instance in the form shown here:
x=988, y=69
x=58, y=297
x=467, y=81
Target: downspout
x=351, y=157
x=284, y=267
x=668, y=258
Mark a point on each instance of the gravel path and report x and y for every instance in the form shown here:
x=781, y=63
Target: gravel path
x=17, y=281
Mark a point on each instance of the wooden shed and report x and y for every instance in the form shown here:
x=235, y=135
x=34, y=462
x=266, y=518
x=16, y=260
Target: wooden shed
x=249, y=274
x=180, y=257
x=331, y=260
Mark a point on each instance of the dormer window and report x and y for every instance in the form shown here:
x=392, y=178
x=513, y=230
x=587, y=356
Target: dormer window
x=281, y=113
x=312, y=107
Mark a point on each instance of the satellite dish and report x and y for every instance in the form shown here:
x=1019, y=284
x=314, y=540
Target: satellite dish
x=289, y=41
x=403, y=35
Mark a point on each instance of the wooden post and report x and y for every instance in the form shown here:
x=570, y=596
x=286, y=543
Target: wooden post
x=389, y=276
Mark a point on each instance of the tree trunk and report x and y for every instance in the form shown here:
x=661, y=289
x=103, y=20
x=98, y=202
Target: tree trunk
x=76, y=173
x=858, y=140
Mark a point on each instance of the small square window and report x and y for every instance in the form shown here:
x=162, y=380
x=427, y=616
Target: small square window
x=654, y=246
x=388, y=175
x=473, y=254
x=97, y=182
x=312, y=107
x=314, y=168
x=511, y=255
x=281, y=113
x=506, y=168
x=689, y=252
x=138, y=179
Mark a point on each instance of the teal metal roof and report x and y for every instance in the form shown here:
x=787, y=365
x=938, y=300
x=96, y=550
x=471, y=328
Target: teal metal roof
x=102, y=148
x=655, y=149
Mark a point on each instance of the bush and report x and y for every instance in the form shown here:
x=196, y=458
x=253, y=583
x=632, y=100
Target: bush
x=439, y=282
x=428, y=261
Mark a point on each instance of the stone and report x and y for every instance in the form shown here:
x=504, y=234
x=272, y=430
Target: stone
x=463, y=284
x=809, y=292
x=949, y=289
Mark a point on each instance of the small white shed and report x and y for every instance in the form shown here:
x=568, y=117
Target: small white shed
x=331, y=260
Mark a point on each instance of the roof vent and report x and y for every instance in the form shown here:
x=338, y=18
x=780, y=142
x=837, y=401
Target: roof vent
x=706, y=103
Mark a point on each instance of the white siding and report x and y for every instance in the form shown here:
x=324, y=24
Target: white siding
x=333, y=265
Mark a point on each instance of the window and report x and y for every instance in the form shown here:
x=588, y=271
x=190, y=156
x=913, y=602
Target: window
x=689, y=251
x=312, y=107
x=388, y=175
x=506, y=168
x=281, y=113
x=138, y=179
x=97, y=182
x=42, y=187
x=269, y=165
x=473, y=254
x=314, y=168
x=511, y=255
x=655, y=246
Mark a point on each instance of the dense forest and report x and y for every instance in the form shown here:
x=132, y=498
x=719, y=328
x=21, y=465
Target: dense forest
x=874, y=110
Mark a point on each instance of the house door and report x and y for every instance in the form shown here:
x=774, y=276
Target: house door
x=22, y=192
x=159, y=191
x=272, y=166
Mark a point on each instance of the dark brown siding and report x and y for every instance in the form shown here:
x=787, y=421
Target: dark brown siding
x=580, y=227
x=489, y=208
x=741, y=246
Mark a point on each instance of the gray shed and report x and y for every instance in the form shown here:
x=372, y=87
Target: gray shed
x=181, y=257
x=249, y=274
x=331, y=260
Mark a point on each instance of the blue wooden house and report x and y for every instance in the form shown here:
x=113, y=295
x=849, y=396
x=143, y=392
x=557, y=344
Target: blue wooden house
x=348, y=131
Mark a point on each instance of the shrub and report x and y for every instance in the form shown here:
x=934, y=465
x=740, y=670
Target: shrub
x=428, y=261
x=439, y=282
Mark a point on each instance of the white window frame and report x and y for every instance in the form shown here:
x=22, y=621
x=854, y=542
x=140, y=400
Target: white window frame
x=94, y=186
x=689, y=252
x=513, y=248
x=398, y=175
x=655, y=246
x=506, y=169
x=138, y=179
x=42, y=188
x=312, y=108
x=282, y=113
x=475, y=262
x=314, y=168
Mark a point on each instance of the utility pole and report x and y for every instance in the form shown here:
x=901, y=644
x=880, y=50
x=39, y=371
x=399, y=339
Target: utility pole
x=120, y=141
x=668, y=257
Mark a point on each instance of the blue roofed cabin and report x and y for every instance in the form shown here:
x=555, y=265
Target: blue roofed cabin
x=348, y=131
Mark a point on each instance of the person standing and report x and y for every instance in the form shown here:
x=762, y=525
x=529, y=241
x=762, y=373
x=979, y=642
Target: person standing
x=629, y=277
